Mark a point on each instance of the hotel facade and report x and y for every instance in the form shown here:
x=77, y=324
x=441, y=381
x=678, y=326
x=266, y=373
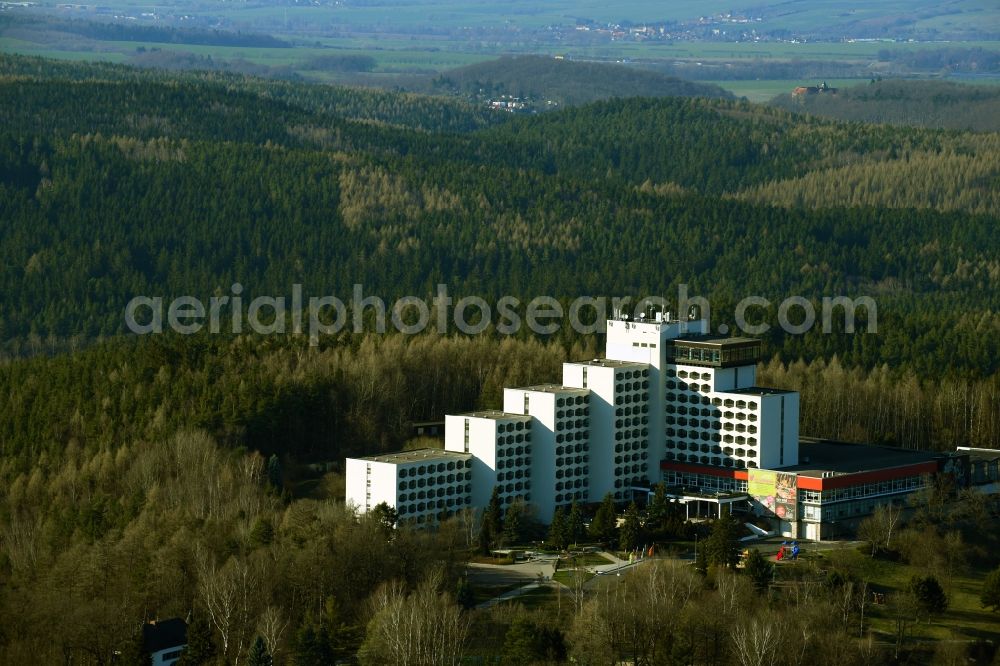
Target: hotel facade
x=670, y=403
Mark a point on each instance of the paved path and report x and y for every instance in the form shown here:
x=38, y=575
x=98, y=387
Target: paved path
x=511, y=594
x=528, y=576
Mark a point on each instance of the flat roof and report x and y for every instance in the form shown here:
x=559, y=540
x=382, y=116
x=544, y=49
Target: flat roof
x=683, y=492
x=417, y=455
x=610, y=363
x=709, y=339
x=757, y=390
x=979, y=454
x=495, y=414
x=817, y=456
x=552, y=388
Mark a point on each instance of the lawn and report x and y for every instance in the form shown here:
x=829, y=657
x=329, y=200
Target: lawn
x=964, y=619
x=761, y=91
x=481, y=593
x=568, y=577
x=585, y=560
x=547, y=597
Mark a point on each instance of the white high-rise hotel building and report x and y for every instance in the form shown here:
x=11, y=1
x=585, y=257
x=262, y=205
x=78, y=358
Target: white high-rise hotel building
x=667, y=397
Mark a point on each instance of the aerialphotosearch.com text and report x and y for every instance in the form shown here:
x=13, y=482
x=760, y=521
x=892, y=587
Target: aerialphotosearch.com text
x=318, y=316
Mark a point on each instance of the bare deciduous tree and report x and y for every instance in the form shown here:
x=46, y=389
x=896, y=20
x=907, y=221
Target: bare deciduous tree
x=424, y=628
x=228, y=594
x=271, y=627
x=755, y=640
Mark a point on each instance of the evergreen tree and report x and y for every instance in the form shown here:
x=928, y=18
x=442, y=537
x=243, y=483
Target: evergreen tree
x=274, y=473
x=463, y=593
x=527, y=642
x=200, y=643
x=484, y=539
x=574, y=525
x=758, y=569
x=658, y=511
x=513, y=523
x=604, y=525
x=259, y=656
x=386, y=516
x=701, y=559
x=930, y=596
x=989, y=596
x=133, y=651
x=722, y=546
x=262, y=532
x=492, y=525
x=631, y=531
x=311, y=646
x=557, y=530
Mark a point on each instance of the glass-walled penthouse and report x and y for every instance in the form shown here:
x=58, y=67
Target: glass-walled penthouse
x=714, y=352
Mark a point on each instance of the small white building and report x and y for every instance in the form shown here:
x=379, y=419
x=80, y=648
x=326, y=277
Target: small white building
x=501, y=447
x=164, y=640
x=560, y=443
x=423, y=486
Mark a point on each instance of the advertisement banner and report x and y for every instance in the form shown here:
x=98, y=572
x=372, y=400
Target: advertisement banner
x=760, y=484
x=785, y=496
x=776, y=491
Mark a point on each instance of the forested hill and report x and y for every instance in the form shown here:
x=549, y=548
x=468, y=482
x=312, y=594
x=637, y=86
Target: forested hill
x=546, y=81
x=940, y=104
x=125, y=184
x=322, y=102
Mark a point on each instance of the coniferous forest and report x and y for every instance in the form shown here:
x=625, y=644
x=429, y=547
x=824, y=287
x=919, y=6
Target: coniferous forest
x=175, y=475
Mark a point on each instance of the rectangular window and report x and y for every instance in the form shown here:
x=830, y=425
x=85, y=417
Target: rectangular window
x=525, y=403
x=584, y=376
x=466, y=435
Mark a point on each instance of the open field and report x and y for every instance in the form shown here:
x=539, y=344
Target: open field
x=763, y=90
x=837, y=16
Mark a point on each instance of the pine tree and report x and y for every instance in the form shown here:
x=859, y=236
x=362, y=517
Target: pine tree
x=463, y=593
x=386, y=516
x=262, y=532
x=492, y=525
x=631, y=531
x=311, y=646
x=200, y=647
x=523, y=643
x=483, y=541
x=603, y=527
x=701, y=559
x=658, y=511
x=274, y=473
x=722, y=546
x=989, y=596
x=758, y=569
x=557, y=530
x=929, y=594
x=574, y=525
x=513, y=523
x=259, y=656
